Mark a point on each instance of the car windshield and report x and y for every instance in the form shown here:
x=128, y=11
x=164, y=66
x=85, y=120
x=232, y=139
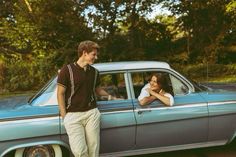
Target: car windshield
x=198, y=86
x=50, y=87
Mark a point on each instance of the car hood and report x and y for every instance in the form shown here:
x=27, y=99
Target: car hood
x=13, y=110
x=10, y=103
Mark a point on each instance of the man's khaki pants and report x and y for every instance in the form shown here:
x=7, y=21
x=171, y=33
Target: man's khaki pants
x=83, y=129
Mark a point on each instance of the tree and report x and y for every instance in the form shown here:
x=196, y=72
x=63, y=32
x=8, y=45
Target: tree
x=206, y=25
x=109, y=18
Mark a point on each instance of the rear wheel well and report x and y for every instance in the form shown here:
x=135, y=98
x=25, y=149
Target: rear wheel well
x=65, y=152
x=10, y=154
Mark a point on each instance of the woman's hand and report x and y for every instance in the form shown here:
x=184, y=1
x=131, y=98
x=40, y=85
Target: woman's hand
x=150, y=91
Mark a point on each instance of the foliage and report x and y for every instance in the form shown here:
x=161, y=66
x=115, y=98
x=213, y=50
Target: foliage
x=208, y=72
x=38, y=37
x=22, y=76
x=206, y=24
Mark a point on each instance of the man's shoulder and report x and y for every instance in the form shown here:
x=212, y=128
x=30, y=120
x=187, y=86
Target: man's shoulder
x=93, y=68
x=64, y=69
x=65, y=66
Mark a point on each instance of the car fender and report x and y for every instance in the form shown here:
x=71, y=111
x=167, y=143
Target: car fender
x=49, y=142
x=232, y=138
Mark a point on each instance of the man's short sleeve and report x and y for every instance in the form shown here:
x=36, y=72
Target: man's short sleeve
x=97, y=79
x=63, y=77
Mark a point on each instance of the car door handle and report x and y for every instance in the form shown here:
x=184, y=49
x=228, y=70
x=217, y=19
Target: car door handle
x=140, y=111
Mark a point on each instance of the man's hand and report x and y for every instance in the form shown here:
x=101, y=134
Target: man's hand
x=110, y=97
x=63, y=114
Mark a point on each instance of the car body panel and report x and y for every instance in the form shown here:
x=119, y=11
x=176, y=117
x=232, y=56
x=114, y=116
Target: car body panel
x=117, y=125
x=222, y=116
x=18, y=126
x=165, y=126
x=197, y=118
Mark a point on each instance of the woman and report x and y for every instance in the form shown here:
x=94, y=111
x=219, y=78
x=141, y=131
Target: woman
x=156, y=89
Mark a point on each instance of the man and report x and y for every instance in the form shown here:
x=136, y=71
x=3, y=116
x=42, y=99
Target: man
x=76, y=86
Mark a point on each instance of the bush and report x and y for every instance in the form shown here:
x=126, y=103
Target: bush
x=203, y=73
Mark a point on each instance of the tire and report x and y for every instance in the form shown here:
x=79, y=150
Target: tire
x=50, y=150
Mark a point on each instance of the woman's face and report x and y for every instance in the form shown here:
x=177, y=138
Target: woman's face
x=155, y=84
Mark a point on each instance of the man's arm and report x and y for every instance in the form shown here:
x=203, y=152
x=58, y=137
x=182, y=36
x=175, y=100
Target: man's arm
x=61, y=100
x=101, y=92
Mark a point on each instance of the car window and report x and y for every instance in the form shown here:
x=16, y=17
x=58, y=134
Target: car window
x=140, y=79
x=47, y=95
x=114, y=84
x=179, y=88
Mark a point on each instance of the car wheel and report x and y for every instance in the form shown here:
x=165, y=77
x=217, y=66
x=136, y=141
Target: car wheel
x=40, y=150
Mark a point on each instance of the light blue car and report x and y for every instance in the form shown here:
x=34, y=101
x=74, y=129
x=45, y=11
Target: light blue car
x=200, y=116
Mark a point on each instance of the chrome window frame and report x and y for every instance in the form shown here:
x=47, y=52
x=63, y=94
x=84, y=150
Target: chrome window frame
x=169, y=71
x=125, y=78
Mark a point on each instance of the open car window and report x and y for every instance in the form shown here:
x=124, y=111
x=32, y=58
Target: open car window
x=114, y=84
x=140, y=79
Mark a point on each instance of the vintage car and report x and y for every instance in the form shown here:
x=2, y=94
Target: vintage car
x=200, y=116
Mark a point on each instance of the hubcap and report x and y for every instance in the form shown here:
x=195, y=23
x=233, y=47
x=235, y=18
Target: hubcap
x=39, y=151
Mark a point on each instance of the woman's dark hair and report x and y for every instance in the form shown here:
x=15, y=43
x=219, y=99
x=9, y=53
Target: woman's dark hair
x=163, y=82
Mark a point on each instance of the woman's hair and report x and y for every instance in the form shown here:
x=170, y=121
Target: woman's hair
x=163, y=82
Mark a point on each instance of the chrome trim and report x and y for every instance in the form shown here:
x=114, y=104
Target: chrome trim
x=164, y=149
x=115, y=112
x=185, y=80
x=221, y=103
x=232, y=138
x=127, y=84
x=170, y=71
x=16, y=120
x=171, y=107
x=191, y=105
x=156, y=108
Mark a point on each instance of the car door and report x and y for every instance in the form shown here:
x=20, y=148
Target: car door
x=186, y=122
x=117, y=117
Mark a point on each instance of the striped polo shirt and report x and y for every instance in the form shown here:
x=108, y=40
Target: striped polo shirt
x=80, y=86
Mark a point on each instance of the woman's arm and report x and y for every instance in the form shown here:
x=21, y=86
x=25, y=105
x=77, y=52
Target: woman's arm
x=166, y=100
x=147, y=100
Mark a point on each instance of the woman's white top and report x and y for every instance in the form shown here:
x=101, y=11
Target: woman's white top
x=144, y=93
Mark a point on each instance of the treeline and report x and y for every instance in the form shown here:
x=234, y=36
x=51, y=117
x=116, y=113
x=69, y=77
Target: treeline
x=38, y=36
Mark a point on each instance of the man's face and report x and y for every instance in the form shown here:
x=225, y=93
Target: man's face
x=90, y=57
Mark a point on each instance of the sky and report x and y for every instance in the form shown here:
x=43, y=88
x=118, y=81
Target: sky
x=158, y=10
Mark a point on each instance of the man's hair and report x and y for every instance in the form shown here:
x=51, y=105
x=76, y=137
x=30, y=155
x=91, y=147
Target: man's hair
x=87, y=46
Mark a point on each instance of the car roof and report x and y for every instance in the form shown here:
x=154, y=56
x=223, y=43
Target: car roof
x=130, y=65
